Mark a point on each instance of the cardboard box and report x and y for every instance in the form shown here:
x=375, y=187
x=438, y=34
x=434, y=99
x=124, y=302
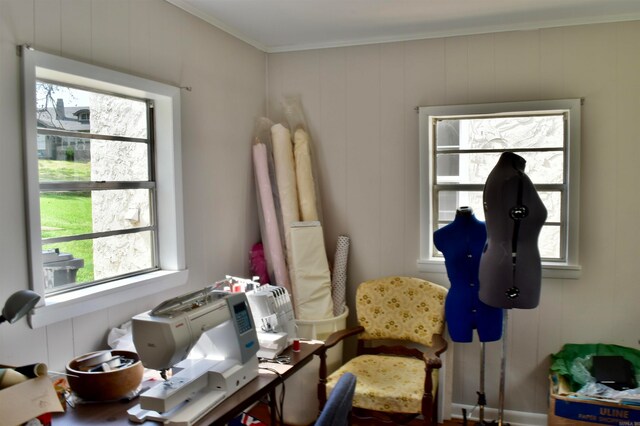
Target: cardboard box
x=566, y=410
x=28, y=400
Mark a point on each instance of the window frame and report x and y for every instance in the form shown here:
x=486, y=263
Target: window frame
x=172, y=270
x=570, y=267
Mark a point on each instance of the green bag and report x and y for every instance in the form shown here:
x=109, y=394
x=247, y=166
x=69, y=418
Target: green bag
x=574, y=361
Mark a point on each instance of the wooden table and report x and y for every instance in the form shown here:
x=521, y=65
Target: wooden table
x=115, y=413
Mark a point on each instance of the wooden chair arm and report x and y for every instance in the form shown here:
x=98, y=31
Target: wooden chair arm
x=432, y=354
x=338, y=336
x=333, y=339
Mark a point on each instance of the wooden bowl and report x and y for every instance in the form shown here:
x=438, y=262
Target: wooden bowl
x=105, y=385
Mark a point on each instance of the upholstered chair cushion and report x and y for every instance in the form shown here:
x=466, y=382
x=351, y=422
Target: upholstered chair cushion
x=386, y=383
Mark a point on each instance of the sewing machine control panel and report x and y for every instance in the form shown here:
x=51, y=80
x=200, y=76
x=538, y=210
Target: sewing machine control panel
x=241, y=315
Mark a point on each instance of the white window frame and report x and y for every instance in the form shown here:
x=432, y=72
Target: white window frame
x=570, y=268
x=171, y=252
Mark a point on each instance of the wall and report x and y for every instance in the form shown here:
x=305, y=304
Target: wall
x=359, y=102
x=156, y=40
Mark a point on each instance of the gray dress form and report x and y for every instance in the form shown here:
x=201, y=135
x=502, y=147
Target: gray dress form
x=510, y=267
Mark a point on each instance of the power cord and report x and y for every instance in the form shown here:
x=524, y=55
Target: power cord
x=280, y=408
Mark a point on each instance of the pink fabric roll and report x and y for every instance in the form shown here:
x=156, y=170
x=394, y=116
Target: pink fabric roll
x=274, y=243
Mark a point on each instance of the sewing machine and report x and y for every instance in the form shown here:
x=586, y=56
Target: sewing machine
x=208, y=339
x=273, y=315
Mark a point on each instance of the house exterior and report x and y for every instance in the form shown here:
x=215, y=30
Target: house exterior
x=74, y=119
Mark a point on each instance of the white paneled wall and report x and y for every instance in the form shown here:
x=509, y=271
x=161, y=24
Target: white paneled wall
x=360, y=105
x=156, y=40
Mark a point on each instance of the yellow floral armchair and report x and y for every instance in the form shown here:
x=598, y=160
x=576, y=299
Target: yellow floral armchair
x=399, y=342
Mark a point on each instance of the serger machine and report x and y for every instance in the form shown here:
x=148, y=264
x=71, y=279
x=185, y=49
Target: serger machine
x=209, y=340
x=273, y=314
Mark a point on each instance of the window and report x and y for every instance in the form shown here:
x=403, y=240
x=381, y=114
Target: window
x=460, y=145
x=103, y=186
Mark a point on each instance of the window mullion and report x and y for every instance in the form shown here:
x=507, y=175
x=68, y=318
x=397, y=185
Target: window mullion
x=93, y=235
x=94, y=186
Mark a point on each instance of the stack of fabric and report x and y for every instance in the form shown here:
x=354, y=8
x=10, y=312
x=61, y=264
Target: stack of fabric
x=290, y=218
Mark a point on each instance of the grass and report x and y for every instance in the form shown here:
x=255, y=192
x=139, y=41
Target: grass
x=67, y=213
x=52, y=170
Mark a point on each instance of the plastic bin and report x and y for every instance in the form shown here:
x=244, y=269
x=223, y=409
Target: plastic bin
x=60, y=268
x=301, y=393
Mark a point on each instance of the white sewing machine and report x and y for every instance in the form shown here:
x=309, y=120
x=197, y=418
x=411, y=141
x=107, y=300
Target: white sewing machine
x=210, y=337
x=273, y=314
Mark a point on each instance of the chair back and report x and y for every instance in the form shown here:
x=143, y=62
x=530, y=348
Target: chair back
x=337, y=410
x=401, y=308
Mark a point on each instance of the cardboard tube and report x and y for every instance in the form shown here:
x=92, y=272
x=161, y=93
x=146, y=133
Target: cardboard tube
x=33, y=370
x=10, y=377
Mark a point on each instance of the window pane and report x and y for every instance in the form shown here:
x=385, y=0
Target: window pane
x=65, y=158
x=471, y=168
x=80, y=262
x=542, y=167
x=65, y=213
x=501, y=132
x=553, y=202
x=67, y=263
x=549, y=242
x=123, y=254
x=62, y=158
x=72, y=109
x=121, y=209
x=75, y=213
x=450, y=201
x=119, y=161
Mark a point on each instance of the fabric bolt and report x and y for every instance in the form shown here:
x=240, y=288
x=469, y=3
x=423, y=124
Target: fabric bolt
x=310, y=271
x=339, y=279
x=286, y=182
x=274, y=243
x=304, y=176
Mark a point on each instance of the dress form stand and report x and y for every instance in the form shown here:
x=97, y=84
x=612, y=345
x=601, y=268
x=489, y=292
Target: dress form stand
x=482, y=397
x=503, y=369
x=514, y=215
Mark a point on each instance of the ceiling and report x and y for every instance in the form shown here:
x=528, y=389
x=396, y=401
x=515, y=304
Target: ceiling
x=287, y=25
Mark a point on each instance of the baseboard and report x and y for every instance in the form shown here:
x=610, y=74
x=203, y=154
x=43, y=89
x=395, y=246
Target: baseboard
x=513, y=418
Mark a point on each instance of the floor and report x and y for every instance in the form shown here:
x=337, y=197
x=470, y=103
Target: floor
x=261, y=411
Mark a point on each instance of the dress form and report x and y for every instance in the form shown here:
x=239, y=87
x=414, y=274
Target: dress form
x=510, y=267
x=461, y=242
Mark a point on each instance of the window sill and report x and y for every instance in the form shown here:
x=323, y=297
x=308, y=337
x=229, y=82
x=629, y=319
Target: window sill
x=549, y=270
x=73, y=304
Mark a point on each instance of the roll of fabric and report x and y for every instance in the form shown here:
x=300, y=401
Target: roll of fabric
x=304, y=176
x=274, y=243
x=287, y=189
x=312, y=279
x=339, y=279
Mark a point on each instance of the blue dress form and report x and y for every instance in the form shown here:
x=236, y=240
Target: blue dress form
x=510, y=268
x=461, y=242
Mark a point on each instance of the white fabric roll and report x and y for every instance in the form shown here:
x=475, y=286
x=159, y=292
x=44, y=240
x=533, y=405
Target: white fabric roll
x=304, y=176
x=339, y=279
x=312, y=279
x=273, y=243
x=287, y=189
